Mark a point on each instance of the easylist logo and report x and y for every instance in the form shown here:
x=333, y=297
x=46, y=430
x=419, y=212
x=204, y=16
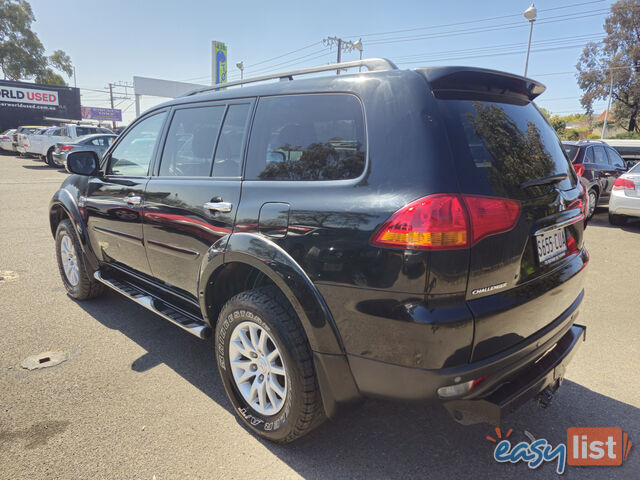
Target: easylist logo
x=597, y=446
x=28, y=95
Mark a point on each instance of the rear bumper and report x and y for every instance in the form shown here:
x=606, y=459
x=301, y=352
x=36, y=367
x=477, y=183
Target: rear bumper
x=515, y=375
x=620, y=204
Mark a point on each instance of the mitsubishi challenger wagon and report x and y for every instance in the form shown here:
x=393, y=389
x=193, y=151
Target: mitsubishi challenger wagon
x=408, y=234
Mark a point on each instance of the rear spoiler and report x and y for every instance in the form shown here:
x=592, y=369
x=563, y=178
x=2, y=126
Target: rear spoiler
x=460, y=82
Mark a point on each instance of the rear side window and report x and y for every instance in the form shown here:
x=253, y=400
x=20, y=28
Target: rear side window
x=588, y=156
x=228, y=160
x=188, y=150
x=499, y=146
x=600, y=155
x=307, y=137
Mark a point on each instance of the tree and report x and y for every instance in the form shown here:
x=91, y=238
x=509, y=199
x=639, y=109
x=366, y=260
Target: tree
x=617, y=56
x=558, y=124
x=22, y=55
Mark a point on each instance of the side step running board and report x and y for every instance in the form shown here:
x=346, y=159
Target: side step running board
x=181, y=318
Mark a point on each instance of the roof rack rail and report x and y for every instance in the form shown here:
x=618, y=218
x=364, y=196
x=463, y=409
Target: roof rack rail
x=372, y=64
x=592, y=140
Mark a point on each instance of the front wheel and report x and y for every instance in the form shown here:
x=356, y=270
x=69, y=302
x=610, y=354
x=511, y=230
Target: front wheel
x=79, y=282
x=266, y=365
x=51, y=161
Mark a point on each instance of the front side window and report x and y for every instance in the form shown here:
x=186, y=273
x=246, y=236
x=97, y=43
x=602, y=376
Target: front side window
x=188, y=151
x=307, y=137
x=133, y=154
x=615, y=158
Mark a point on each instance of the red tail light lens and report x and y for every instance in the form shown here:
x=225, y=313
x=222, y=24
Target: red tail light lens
x=579, y=168
x=623, y=184
x=447, y=221
x=66, y=148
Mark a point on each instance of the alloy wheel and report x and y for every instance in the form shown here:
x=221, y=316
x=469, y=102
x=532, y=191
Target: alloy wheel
x=69, y=260
x=258, y=368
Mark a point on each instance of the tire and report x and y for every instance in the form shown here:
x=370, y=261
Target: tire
x=593, y=203
x=79, y=282
x=266, y=310
x=50, y=161
x=617, y=220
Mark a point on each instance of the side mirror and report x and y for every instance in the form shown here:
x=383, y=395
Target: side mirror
x=82, y=163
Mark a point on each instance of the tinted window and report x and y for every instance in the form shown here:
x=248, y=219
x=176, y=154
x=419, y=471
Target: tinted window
x=100, y=141
x=588, y=156
x=635, y=168
x=133, y=154
x=80, y=131
x=571, y=150
x=188, y=150
x=307, y=137
x=600, y=157
x=228, y=160
x=499, y=146
x=614, y=158
x=60, y=132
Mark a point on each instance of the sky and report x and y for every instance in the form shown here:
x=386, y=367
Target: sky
x=115, y=40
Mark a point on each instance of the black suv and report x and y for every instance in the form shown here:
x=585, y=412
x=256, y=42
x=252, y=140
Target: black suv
x=598, y=165
x=410, y=234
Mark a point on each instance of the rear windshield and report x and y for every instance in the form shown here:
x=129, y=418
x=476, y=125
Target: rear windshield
x=498, y=146
x=571, y=150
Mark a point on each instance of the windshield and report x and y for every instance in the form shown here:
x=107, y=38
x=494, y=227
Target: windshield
x=499, y=146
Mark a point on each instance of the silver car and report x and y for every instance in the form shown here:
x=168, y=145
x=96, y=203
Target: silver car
x=6, y=140
x=625, y=197
x=98, y=142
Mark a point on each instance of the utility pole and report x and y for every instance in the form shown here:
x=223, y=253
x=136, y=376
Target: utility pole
x=606, y=114
x=349, y=46
x=113, y=123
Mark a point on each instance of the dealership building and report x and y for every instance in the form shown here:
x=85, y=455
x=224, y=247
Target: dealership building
x=23, y=103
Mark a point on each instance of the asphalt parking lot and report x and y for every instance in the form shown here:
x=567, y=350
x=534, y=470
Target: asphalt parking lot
x=140, y=398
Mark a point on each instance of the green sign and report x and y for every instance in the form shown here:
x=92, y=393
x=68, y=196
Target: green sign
x=219, y=62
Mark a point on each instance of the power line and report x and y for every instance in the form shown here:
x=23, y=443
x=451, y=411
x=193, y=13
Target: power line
x=429, y=27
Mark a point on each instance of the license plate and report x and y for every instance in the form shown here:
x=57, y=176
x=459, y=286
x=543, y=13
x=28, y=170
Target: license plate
x=551, y=245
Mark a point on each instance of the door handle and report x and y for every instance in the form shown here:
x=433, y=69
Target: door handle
x=133, y=199
x=222, y=207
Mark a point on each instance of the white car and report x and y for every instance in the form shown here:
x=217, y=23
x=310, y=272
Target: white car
x=6, y=140
x=25, y=143
x=44, y=144
x=625, y=197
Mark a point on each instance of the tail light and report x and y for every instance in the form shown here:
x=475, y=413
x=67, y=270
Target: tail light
x=447, y=221
x=579, y=168
x=4, y=139
x=66, y=148
x=623, y=184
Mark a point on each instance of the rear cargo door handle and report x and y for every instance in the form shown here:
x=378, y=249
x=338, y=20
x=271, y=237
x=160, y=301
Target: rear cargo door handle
x=222, y=207
x=133, y=199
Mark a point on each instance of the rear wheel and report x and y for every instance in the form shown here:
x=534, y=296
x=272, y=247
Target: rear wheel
x=51, y=161
x=79, y=282
x=593, y=202
x=618, y=220
x=266, y=365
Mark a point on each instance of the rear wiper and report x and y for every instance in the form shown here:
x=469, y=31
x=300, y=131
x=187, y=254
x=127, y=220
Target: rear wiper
x=544, y=180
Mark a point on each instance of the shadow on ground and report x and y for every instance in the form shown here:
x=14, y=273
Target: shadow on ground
x=44, y=166
x=383, y=439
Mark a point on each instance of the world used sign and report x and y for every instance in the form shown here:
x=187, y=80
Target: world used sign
x=99, y=113
x=28, y=95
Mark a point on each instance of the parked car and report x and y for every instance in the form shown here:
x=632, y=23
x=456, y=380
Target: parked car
x=409, y=234
x=44, y=144
x=598, y=166
x=625, y=197
x=629, y=149
x=6, y=140
x=24, y=130
x=29, y=144
x=96, y=143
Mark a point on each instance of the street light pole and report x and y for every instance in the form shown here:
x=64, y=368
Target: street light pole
x=240, y=66
x=606, y=114
x=530, y=14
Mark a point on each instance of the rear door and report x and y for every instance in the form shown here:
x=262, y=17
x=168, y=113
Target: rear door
x=507, y=150
x=191, y=201
x=605, y=172
x=114, y=201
